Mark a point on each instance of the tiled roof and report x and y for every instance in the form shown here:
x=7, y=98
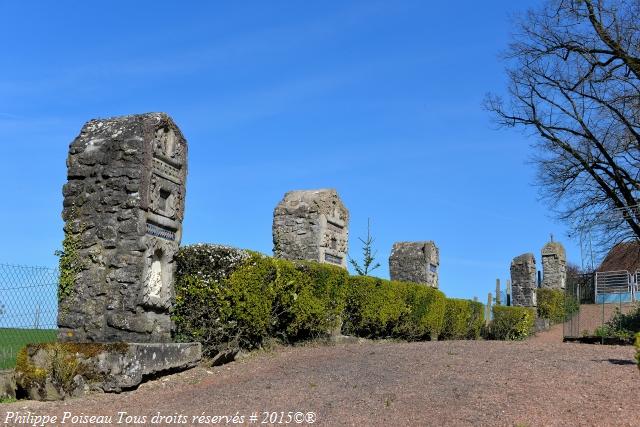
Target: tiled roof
x=623, y=256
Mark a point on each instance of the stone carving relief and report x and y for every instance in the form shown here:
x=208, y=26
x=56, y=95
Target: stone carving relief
x=158, y=273
x=166, y=198
x=166, y=145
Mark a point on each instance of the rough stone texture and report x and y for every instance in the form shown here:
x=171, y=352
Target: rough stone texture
x=311, y=225
x=416, y=262
x=7, y=384
x=554, y=266
x=123, y=205
x=113, y=368
x=523, y=280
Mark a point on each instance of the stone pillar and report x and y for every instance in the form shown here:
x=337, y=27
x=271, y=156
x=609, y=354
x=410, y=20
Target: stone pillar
x=554, y=266
x=523, y=280
x=487, y=310
x=123, y=211
x=311, y=225
x=416, y=262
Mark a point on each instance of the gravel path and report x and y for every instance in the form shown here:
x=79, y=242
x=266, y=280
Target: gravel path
x=554, y=335
x=452, y=383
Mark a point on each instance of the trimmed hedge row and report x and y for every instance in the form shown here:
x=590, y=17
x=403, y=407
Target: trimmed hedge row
x=378, y=308
x=230, y=299
x=463, y=319
x=511, y=323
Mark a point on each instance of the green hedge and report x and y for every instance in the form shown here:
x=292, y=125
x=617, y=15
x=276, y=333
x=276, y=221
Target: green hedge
x=555, y=305
x=511, y=323
x=309, y=299
x=477, y=320
x=463, y=319
x=232, y=298
x=378, y=308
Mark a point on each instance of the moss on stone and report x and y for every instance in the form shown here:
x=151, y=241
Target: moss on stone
x=62, y=363
x=28, y=374
x=69, y=264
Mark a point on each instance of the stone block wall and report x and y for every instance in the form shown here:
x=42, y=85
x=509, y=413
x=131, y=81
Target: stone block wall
x=311, y=225
x=123, y=212
x=554, y=266
x=523, y=280
x=416, y=262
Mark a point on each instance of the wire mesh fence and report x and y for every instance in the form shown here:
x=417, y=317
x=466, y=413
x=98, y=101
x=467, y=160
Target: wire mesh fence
x=607, y=304
x=28, y=308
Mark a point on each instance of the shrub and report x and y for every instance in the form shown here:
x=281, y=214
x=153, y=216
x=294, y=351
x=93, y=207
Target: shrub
x=378, y=308
x=511, y=323
x=374, y=307
x=309, y=299
x=424, y=317
x=223, y=295
x=555, y=305
x=477, y=320
x=230, y=299
x=463, y=319
x=457, y=318
x=622, y=325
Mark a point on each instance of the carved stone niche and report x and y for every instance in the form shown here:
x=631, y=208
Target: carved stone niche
x=124, y=204
x=311, y=225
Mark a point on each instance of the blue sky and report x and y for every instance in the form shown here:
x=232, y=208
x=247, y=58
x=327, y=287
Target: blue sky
x=380, y=100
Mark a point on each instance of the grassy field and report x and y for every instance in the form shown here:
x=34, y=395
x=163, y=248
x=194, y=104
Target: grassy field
x=12, y=340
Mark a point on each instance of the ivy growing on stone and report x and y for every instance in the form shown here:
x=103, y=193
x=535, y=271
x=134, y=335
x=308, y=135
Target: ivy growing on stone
x=70, y=264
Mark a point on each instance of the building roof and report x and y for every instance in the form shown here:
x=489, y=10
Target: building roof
x=623, y=256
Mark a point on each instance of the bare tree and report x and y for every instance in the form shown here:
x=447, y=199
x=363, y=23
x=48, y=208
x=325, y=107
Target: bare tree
x=574, y=82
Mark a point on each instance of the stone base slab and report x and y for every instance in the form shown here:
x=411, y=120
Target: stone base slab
x=54, y=371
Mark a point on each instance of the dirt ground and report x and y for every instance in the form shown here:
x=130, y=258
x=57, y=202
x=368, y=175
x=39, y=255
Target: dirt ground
x=455, y=383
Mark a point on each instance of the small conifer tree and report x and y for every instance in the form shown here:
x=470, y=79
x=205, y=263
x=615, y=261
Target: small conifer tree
x=368, y=254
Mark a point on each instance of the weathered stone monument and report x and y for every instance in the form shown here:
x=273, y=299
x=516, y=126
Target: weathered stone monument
x=123, y=211
x=416, y=262
x=311, y=225
x=523, y=280
x=554, y=266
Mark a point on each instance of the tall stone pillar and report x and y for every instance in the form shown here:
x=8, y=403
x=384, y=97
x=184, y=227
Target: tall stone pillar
x=416, y=262
x=554, y=266
x=523, y=280
x=123, y=212
x=311, y=225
